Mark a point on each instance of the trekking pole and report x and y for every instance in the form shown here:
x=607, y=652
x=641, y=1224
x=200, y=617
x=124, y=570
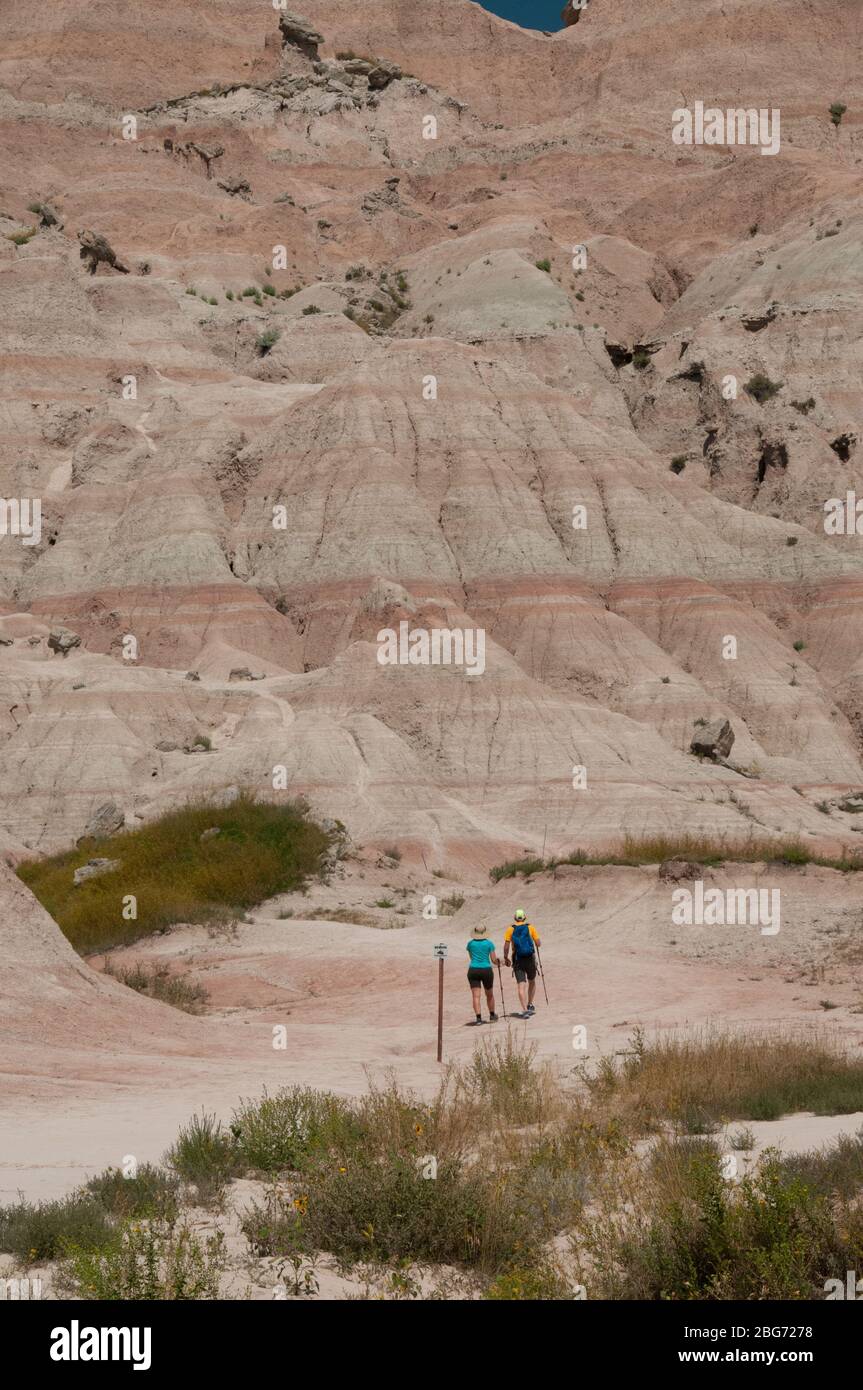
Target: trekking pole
x=500, y=981
x=542, y=973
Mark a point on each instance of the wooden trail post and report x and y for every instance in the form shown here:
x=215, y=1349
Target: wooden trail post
x=440, y=951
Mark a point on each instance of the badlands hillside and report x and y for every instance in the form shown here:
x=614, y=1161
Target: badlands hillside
x=261, y=423
x=240, y=490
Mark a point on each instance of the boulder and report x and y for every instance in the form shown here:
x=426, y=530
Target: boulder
x=94, y=868
x=379, y=72
x=107, y=819
x=62, y=640
x=242, y=673
x=300, y=33
x=713, y=739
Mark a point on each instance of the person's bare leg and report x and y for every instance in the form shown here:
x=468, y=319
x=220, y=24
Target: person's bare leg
x=522, y=994
x=476, y=993
x=489, y=999
x=531, y=990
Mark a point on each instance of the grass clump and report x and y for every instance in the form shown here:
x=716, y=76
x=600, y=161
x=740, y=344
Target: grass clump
x=544, y=265
x=160, y=982
x=700, y=849
x=761, y=388
x=699, y=1080
x=261, y=850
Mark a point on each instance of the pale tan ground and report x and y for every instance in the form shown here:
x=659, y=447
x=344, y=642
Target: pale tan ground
x=120, y=1074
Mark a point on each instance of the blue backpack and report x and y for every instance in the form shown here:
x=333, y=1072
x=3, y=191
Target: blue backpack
x=522, y=941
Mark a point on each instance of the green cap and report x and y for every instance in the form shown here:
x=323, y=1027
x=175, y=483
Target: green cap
x=519, y=914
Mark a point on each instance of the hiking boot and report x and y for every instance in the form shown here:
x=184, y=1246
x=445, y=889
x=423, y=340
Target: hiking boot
x=531, y=1009
x=492, y=1018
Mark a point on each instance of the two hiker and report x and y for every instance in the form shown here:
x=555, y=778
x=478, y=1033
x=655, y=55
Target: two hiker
x=522, y=940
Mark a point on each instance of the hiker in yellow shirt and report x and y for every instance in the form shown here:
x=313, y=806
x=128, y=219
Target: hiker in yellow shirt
x=523, y=939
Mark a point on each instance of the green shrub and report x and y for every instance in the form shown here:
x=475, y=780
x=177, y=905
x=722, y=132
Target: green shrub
x=205, y=1155
x=151, y=1193
x=761, y=388
x=837, y=111
x=678, y=463
x=311, y=309
x=704, y=1238
x=544, y=265
x=282, y=1132
x=384, y=1209
x=37, y=1232
x=266, y=340
x=539, y=1282
x=147, y=1263
x=21, y=238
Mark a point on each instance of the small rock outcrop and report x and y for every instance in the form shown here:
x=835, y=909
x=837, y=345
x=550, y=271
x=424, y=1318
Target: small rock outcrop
x=300, y=33
x=94, y=248
x=63, y=641
x=713, y=739
x=678, y=870
x=94, y=868
x=379, y=72
x=106, y=820
x=571, y=12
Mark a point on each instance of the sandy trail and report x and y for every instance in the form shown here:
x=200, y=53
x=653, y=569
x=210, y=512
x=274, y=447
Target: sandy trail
x=357, y=1002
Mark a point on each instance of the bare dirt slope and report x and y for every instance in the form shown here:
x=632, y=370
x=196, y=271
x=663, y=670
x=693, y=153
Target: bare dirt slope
x=160, y=430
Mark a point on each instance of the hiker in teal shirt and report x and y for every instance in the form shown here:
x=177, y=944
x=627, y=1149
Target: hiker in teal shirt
x=480, y=973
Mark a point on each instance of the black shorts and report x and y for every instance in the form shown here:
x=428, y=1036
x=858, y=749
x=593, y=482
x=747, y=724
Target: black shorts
x=481, y=975
x=524, y=967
